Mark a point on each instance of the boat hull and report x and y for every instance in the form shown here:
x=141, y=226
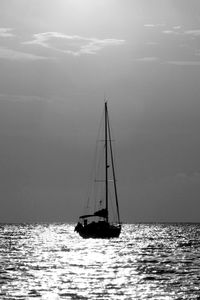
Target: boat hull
x=99, y=230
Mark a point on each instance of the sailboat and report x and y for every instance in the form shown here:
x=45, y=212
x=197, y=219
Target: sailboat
x=99, y=224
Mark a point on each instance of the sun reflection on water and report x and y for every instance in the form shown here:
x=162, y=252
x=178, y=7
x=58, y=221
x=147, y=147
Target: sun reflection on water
x=148, y=261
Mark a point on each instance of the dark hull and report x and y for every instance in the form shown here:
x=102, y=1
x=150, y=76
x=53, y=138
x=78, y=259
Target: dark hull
x=99, y=231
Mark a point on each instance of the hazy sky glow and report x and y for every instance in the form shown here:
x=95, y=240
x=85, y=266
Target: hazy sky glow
x=58, y=58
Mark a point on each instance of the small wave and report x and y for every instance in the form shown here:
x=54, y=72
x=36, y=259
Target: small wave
x=50, y=296
x=53, y=266
x=65, y=249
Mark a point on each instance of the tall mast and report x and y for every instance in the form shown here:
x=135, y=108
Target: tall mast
x=106, y=158
x=113, y=169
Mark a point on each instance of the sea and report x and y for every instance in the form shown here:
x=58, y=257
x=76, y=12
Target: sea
x=52, y=262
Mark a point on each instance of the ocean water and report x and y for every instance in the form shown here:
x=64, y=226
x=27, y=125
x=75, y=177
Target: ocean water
x=51, y=261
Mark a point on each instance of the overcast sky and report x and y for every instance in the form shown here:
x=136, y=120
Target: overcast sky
x=57, y=60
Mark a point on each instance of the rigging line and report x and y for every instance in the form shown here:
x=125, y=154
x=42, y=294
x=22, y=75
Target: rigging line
x=98, y=165
x=113, y=169
x=106, y=157
x=112, y=134
x=99, y=162
x=90, y=188
x=114, y=145
x=98, y=174
x=111, y=205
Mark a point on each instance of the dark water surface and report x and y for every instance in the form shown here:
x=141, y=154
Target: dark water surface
x=148, y=261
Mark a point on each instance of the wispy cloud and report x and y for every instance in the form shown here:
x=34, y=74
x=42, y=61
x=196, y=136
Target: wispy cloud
x=154, y=25
x=74, y=44
x=174, y=30
x=10, y=54
x=19, y=98
x=184, y=63
x=195, y=32
x=170, y=62
x=177, y=27
x=169, y=31
x=6, y=32
x=149, y=25
x=148, y=59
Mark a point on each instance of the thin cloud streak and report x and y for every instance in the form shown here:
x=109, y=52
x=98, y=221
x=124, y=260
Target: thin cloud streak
x=184, y=63
x=195, y=32
x=177, y=27
x=84, y=45
x=154, y=25
x=149, y=25
x=6, y=32
x=21, y=98
x=147, y=59
x=171, y=62
x=10, y=54
x=170, y=32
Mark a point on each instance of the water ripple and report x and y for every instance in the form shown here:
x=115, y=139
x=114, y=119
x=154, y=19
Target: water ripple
x=51, y=262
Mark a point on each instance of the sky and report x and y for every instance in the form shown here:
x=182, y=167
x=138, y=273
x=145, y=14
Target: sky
x=58, y=60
